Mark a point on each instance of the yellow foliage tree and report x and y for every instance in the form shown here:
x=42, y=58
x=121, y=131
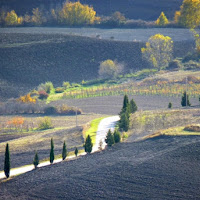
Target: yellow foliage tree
x=109, y=69
x=77, y=14
x=27, y=99
x=158, y=51
x=37, y=17
x=189, y=14
x=162, y=20
x=11, y=18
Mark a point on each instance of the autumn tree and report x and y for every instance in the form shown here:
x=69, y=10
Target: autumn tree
x=110, y=69
x=7, y=161
x=37, y=17
x=77, y=14
x=189, y=14
x=158, y=51
x=162, y=20
x=11, y=18
x=26, y=99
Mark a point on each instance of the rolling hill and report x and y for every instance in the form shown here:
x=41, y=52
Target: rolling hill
x=30, y=59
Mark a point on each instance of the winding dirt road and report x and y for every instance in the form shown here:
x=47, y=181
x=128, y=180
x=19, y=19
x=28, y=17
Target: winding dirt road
x=104, y=126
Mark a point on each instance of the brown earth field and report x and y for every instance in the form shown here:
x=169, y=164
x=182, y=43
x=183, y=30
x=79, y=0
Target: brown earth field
x=162, y=168
x=111, y=105
x=28, y=60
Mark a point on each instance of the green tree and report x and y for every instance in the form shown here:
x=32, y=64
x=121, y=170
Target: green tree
x=109, y=138
x=110, y=69
x=88, y=144
x=162, y=20
x=133, y=106
x=64, y=151
x=124, y=121
x=76, y=152
x=117, y=136
x=7, y=161
x=189, y=14
x=185, y=100
x=77, y=14
x=158, y=51
x=52, y=152
x=36, y=160
x=170, y=105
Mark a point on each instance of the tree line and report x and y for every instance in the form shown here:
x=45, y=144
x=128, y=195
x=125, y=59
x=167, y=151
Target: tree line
x=78, y=14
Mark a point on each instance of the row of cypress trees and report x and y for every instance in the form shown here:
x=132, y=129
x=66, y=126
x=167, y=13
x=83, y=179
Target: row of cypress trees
x=127, y=109
x=36, y=157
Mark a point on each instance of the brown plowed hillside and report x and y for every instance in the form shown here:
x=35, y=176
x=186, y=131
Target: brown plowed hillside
x=30, y=59
x=132, y=9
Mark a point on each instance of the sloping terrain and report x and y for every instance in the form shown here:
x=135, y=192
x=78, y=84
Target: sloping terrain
x=30, y=59
x=163, y=168
x=133, y=9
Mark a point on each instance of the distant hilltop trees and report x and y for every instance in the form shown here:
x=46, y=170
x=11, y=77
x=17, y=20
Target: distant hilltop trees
x=77, y=14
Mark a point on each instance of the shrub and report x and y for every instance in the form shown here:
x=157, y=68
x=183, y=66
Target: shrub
x=75, y=85
x=174, y=65
x=45, y=123
x=47, y=87
x=43, y=95
x=50, y=110
x=59, y=90
x=170, y=105
x=66, y=85
x=194, y=128
x=110, y=69
x=26, y=99
x=66, y=110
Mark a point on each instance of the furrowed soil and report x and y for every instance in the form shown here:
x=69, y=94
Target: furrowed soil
x=30, y=56
x=162, y=168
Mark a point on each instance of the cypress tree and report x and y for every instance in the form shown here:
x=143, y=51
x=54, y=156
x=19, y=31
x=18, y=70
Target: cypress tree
x=109, y=138
x=88, y=144
x=52, y=152
x=76, y=152
x=125, y=102
x=36, y=160
x=117, y=136
x=7, y=161
x=170, y=105
x=133, y=106
x=124, y=121
x=64, y=151
x=183, y=100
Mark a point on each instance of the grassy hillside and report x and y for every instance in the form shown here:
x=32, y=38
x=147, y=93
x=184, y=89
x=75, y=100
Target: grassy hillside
x=132, y=9
x=30, y=59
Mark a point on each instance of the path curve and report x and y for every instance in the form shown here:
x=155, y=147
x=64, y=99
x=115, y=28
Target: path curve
x=104, y=126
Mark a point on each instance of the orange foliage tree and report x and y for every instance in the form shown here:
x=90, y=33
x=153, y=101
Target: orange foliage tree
x=27, y=99
x=16, y=122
